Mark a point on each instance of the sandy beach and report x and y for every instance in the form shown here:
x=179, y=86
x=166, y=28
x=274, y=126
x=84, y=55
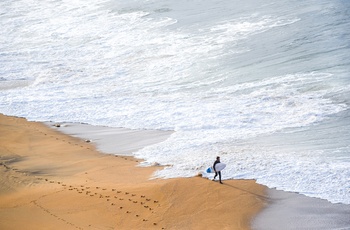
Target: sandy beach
x=50, y=180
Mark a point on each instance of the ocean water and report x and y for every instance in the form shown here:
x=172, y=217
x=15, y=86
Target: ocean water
x=263, y=84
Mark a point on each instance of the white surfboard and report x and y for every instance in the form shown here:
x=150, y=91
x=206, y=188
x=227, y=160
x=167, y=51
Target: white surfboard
x=218, y=167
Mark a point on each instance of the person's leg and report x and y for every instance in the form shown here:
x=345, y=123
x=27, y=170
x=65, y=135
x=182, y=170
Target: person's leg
x=215, y=175
x=220, y=177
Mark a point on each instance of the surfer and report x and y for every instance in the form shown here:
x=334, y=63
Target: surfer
x=219, y=172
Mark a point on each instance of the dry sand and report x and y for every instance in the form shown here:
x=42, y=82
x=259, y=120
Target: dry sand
x=49, y=180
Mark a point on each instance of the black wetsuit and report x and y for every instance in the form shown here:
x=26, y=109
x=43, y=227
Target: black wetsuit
x=217, y=173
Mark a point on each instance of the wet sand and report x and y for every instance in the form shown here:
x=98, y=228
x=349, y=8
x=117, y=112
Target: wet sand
x=292, y=211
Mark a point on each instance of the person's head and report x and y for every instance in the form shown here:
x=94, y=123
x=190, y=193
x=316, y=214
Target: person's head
x=217, y=158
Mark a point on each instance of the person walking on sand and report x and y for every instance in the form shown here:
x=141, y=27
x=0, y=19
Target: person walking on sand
x=217, y=172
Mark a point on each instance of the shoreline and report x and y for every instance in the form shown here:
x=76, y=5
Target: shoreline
x=31, y=183
x=109, y=140
x=53, y=180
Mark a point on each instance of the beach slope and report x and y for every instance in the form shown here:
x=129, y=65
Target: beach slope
x=49, y=180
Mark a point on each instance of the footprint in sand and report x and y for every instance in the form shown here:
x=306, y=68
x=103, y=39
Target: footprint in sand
x=118, y=200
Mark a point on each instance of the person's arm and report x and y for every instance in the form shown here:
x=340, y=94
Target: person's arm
x=214, y=165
